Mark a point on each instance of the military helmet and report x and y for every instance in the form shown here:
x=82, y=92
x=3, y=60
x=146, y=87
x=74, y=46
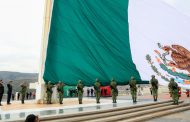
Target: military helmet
x=97, y=79
x=172, y=79
x=153, y=76
x=132, y=77
x=80, y=81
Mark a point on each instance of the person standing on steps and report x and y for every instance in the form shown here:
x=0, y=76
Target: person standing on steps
x=154, y=86
x=9, y=92
x=23, y=92
x=114, y=90
x=49, y=92
x=173, y=86
x=1, y=91
x=80, y=91
x=60, y=90
x=133, y=89
x=97, y=89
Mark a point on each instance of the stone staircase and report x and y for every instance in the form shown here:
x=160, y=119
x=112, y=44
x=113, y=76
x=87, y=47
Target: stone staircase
x=137, y=113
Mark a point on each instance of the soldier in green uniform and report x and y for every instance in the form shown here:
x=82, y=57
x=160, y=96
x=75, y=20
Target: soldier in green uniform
x=133, y=88
x=173, y=86
x=49, y=92
x=60, y=91
x=23, y=92
x=80, y=91
x=154, y=85
x=114, y=90
x=97, y=89
x=170, y=89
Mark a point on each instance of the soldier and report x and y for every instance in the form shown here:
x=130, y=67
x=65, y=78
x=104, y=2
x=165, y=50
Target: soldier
x=9, y=92
x=133, y=89
x=173, y=86
x=114, y=90
x=97, y=86
x=154, y=86
x=170, y=89
x=23, y=92
x=49, y=92
x=60, y=90
x=1, y=91
x=80, y=91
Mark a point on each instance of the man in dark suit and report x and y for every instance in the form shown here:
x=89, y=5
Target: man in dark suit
x=1, y=91
x=9, y=92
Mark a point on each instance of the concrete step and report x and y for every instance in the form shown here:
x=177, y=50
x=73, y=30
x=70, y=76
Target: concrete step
x=113, y=113
x=156, y=114
x=127, y=116
x=49, y=118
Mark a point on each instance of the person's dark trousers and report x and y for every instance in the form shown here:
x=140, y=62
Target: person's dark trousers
x=9, y=97
x=23, y=97
x=1, y=95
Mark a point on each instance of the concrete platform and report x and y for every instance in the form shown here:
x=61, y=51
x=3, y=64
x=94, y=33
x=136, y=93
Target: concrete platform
x=17, y=111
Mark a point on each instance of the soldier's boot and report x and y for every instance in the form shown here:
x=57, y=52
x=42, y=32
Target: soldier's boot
x=22, y=101
x=174, y=102
x=114, y=101
x=60, y=102
x=156, y=98
x=135, y=99
x=49, y=101
x=177, y=103
x=98, y=101
x=80, y=101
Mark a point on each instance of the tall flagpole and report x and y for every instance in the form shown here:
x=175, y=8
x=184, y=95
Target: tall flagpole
x=40, y=86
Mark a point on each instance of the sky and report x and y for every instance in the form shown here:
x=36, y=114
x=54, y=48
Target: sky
x=21, y=26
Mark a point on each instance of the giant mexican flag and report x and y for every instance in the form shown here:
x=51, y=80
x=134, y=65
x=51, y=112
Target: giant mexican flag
x=105, y=39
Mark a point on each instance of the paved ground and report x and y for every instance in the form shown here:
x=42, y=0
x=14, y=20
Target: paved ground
x=16, y=105
x=30, y=104
x=17, y=110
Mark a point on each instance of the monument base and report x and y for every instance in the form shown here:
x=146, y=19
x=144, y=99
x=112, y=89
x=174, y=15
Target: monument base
x=41, y=96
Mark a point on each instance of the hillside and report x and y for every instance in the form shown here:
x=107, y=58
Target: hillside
x=17, y=78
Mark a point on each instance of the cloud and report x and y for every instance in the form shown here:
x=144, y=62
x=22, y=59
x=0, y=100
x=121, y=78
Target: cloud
x=21, y=25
